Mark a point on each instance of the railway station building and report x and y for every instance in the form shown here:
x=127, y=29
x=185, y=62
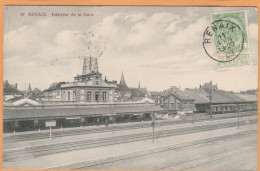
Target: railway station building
x=86, y=88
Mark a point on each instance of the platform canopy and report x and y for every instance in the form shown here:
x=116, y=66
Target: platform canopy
x=52, y=112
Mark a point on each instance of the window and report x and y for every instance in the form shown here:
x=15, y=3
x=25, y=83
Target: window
x=82, y=95
x=104, y=96
x=74, y=95
x=97, y=96
x=97, y=82
x=89, y=96
x=68, y=96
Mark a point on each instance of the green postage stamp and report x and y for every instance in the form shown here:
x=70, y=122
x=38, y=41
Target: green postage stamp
x=226, y=40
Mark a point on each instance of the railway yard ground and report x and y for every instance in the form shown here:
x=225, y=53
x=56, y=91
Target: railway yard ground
x=199, y=143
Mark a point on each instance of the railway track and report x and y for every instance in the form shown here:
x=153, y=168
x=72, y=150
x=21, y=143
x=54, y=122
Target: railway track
x=87, y=165
x=63, y=133
x=198, y=161
x=43, y=150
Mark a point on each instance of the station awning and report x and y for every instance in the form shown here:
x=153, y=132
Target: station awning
x=29, y=113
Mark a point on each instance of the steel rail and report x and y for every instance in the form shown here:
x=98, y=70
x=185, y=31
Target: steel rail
x=43, y=150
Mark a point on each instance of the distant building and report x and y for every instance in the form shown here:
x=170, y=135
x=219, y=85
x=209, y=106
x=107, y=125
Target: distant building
x=28, y=92
x=222, y=101
x=53, y=93
x=175, y=102
x=122, y=86
x=174, y=99
x=36, y=92
x=32, y=93
x=127, y=94
x=158, y=96
x=10, y=91
x=209, y=86
x=42, y=96
x=88, y=87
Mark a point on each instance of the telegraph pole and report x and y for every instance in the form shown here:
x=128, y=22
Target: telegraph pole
x=50, y=132
x=238, y=116
x=14, y=126
x=210, y=98
x=153, y=124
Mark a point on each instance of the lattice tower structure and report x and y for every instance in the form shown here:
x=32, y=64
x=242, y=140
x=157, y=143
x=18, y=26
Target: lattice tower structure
x=90, y=65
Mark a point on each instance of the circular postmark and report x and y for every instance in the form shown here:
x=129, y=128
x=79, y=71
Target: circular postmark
x=223, y=40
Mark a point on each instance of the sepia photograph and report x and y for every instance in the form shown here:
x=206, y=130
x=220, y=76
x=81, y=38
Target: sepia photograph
x=130, y=88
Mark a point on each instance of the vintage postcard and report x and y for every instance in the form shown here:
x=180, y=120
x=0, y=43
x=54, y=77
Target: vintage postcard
x=130, y=88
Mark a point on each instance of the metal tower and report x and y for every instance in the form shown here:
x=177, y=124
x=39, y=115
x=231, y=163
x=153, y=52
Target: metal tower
x=90, y=65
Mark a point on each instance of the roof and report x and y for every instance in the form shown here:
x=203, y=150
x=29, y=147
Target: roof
x=200, y=95
x=142, y=99
x=155, y=93
x=136, y=92
x=158, y=93
x=22, y=101
x=122, y=87
x=174, y=89
x=10, y=89
x=87, y=75
x=15, y=99
x=37, y=91
x=25, y=113
x=55, y=86
x=247, y=97
x=219, y=96
x=179, y=97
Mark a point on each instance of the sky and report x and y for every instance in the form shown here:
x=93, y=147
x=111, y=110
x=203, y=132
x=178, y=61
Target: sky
x=158, y=46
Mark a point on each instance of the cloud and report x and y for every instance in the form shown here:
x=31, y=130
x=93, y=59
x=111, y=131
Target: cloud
x=153, y=45
x=192, y=34
x=28, y=39
x=253, y=43
x=136, y=17
x=136, y=29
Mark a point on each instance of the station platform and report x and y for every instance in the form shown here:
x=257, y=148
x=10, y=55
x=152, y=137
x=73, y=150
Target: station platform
x=178, y=118
x=119, y=150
